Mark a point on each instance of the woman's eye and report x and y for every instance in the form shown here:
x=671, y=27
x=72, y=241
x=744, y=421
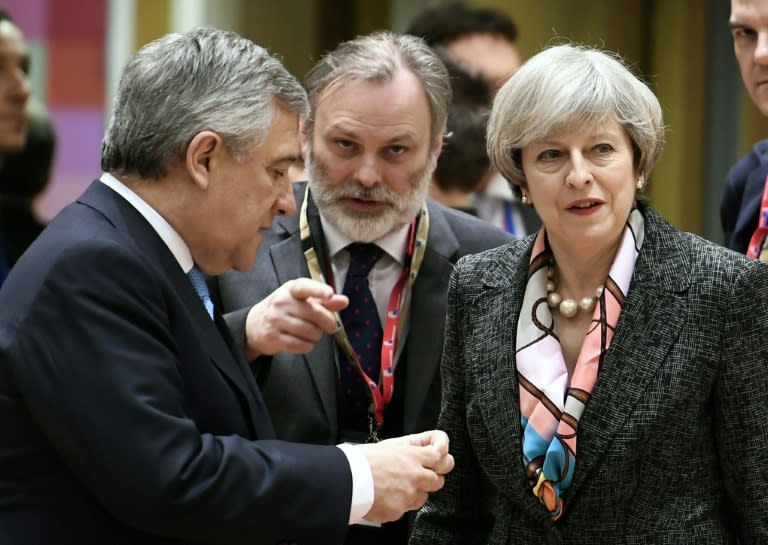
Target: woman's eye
x=548, y=155
x=604, y=148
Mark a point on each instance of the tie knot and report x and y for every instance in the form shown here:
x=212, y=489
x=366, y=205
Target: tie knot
x=362, y=258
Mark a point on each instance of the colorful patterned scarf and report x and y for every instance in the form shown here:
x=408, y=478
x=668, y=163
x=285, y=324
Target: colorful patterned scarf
x=550, y=418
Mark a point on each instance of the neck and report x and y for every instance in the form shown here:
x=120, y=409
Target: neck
x=580, y=271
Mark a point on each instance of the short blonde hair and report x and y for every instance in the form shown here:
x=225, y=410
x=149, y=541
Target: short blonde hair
x=568, y=86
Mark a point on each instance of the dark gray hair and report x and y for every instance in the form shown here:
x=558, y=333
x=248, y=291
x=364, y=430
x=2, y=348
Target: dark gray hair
x=566, y=87
x=378, y=57
x=182, y=84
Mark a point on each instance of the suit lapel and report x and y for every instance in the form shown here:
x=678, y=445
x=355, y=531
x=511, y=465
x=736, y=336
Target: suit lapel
x=427, y=313
x=147, y=242
x=289, y=264
x=650, y=321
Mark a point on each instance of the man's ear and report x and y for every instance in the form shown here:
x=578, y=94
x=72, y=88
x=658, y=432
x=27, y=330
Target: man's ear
x=203, y=151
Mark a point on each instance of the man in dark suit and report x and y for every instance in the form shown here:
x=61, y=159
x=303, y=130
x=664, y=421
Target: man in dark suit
x=378, y=112
x=126, y=413
x=742, y=204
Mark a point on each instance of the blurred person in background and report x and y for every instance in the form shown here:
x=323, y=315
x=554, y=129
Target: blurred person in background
x=483, y=39
x=744, y=207
x=604, y=381
x=463, y=163
x=24, y=175
x=14, y=93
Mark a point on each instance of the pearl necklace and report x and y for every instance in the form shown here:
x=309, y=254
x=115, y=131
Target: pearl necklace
x=568, y=307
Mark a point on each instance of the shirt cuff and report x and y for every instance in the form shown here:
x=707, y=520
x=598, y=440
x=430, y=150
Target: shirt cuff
x=362, y=483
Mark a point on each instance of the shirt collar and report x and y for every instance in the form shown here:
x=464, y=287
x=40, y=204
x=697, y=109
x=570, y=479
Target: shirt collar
x=394, y=244
x=168, y=234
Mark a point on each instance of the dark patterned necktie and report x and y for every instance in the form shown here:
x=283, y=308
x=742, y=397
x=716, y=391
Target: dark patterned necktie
x=363, y=328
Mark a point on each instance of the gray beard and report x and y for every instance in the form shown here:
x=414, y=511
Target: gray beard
x=364, y=226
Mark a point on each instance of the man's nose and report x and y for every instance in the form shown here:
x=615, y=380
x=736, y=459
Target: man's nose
x=368, y=172
x=285, y=204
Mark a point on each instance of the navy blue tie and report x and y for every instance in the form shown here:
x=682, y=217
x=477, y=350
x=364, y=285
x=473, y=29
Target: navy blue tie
x=198, y=282
x=363, y=327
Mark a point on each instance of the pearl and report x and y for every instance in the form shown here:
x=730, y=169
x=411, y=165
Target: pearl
x=568, y=307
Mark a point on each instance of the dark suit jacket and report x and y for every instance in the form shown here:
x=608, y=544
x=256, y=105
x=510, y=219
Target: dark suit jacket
x=672, y=443
x=300, y=391
x=743, y=192
x=125, y=416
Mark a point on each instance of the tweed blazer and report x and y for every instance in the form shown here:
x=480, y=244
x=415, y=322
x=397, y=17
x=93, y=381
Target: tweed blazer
x=673, y=444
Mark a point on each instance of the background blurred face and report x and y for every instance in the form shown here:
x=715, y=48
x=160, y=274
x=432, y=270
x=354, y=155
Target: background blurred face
x=14, y=87
x=749, y=27
x=582, y=184
x=492, y=55
x=370, y=156
x=244, y=196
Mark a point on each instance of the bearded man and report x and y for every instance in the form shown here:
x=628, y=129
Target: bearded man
x=365, y=228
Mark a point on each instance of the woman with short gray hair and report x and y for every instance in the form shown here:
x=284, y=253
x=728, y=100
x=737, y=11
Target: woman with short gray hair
x=604, y=380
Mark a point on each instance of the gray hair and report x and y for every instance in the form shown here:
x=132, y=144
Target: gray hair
x=565, y=87
x=182, y=84
x=378, y=57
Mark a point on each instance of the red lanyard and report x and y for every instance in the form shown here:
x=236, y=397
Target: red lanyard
x=757, y=241
x=399, y=299
x=381, y=393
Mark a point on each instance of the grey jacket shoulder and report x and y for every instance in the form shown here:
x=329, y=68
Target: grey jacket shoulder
x=471, y=234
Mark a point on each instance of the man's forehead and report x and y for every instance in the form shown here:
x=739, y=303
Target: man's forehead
x=748, y=11
x=10, y=33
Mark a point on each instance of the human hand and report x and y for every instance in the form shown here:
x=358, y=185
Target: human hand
x=292, y=318
x=405, y=469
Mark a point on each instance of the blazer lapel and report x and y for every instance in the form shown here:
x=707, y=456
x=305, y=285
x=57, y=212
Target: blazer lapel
x=650, y=321
x=127, y=219
x=495, y=366
x=427, y=313
x=321, y=360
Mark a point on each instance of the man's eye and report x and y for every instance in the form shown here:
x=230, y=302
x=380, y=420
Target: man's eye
x=741, y=32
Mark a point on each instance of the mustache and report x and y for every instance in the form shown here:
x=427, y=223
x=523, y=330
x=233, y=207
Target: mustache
x=355, y=190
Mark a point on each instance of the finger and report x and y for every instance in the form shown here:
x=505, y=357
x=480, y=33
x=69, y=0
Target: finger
x=304, y=288
x=320, y=316
x=336, y=303
x=431, y=482
x=437, y=439
x=445, y=466
x=298, y=325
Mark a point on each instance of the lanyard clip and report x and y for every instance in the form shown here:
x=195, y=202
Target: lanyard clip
x=373, y=431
